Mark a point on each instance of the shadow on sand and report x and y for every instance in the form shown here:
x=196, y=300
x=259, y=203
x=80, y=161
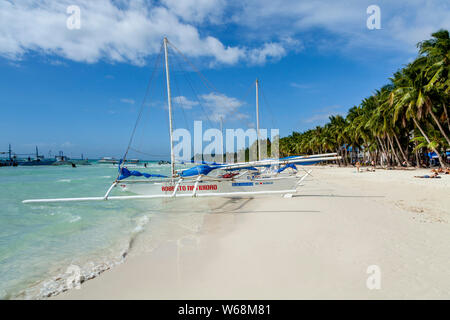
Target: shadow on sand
x=333, y=196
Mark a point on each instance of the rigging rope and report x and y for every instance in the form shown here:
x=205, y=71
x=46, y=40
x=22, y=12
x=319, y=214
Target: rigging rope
x=149, y=154
x=268, y=107
x=143, y=104
x=204, y=79
x=180, y=101
x=186, y=76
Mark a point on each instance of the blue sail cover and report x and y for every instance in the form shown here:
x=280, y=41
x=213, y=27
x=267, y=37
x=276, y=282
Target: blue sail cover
x=208, y=163
x=433, y=155
x=308, y=163
x=125, y=173
x=246, y=168
x=197, y=170
x=289, y=165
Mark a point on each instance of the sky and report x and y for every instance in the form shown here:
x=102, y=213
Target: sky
x=76, y=82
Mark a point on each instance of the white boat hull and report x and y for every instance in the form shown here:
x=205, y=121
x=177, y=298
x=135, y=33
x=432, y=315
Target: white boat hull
x=186, y=187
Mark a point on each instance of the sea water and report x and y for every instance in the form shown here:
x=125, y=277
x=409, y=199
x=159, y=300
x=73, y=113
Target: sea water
x=41, y=243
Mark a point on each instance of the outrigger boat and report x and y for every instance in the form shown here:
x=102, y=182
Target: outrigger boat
x=110, y=160
x=261, y=177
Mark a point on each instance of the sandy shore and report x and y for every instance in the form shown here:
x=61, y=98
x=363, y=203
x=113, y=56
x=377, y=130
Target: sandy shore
x=317, y=244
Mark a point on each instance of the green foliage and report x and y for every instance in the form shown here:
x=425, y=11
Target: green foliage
x=411, y=110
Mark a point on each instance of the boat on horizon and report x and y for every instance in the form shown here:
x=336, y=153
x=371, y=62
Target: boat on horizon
x=10, y=161
x=111, y=160
x=38, y=160
x=62, y=160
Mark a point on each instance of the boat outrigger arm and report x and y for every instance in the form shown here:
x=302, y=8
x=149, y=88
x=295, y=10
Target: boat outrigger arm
x=202, y=178
x=174, y=194
x=302, y=160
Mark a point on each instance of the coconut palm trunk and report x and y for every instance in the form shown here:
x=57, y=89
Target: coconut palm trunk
x=393, y=151
x=340, y=154
x=436, y=120
x=417, y=158
x=401, y=150
x=345, y=157
x=384, y=150
x=446, y=116
x=441, y=161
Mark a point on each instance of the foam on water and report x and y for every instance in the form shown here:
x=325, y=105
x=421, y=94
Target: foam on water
x=38, y=243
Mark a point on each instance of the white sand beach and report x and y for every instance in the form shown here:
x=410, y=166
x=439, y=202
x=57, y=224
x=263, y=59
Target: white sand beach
x=316, y=245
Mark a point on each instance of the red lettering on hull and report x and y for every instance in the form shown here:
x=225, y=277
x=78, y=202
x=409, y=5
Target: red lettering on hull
x=189, y=188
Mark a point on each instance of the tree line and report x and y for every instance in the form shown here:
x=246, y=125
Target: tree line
x=399, y=124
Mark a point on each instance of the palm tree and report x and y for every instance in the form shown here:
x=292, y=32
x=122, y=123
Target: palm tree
x=436, y=69
x=412, y=108
x=407, y=99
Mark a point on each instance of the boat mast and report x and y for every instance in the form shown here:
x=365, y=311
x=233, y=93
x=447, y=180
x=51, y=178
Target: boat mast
x=9, y=152
x=169, y=100
x=257, y=120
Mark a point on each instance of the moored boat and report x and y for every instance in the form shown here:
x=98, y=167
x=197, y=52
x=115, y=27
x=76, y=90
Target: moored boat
x=64, y=160
x=110, y=160
x=39, y=160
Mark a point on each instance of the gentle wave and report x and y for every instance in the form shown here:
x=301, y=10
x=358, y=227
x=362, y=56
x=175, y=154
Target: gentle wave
x=64, y=281
x=45, y=239
x=75, y=219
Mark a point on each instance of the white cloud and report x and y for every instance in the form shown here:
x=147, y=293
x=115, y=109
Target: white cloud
x=128, y=32
x=269, y=51
x=300, y=85
x=184, y=102
x=127, y=101
x=341, y=25
x=261, y=30
x=198, y=10
x=222, y=106
x=323, y=114
x=67, y=144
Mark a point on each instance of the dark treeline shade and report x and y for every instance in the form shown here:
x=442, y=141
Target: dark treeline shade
x=399, y=124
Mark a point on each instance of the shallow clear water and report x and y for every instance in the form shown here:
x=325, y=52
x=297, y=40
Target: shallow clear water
x=38, y=242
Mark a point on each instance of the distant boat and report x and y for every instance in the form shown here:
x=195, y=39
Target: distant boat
x=62, y=160
x=110, y=160
x=37, y=161
x=10, y=161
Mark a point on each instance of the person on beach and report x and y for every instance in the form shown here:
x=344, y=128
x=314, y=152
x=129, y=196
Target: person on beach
x=357, y=166
x=433, y=176
x=441, y=171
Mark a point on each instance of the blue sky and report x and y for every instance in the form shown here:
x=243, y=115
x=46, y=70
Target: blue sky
x=79, y=91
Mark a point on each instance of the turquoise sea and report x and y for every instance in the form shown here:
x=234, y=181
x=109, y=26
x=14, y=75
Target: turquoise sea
x=38, y=242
